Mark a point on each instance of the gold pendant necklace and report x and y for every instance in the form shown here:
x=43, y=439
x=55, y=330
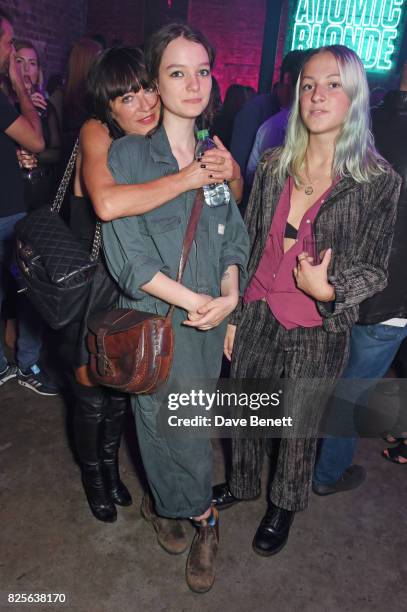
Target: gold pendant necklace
x=309, y=185
x=309, y=190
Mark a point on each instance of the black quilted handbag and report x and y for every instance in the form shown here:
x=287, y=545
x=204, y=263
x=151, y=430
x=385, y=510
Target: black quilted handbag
x=55, y=267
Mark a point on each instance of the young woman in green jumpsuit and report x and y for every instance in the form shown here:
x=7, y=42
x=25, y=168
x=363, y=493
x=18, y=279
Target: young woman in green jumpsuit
x=143, y=254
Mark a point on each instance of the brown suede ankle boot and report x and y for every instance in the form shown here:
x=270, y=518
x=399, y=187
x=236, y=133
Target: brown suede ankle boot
x=200, y=570
x=171, y=534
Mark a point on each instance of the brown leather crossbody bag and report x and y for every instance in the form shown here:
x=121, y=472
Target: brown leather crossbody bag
x=132, y=350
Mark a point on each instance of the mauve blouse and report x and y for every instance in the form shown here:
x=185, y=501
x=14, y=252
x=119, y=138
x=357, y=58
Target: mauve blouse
x=274, y=279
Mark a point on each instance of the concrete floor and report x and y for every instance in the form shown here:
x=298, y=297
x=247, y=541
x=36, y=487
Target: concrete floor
x=347, y=553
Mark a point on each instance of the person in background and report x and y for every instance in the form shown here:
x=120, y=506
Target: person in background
x=259, y=108
x=295, y=319
x=70, y=103
x=235, y=98
x=39, y=170
x=272, y=132
x=23, y=128
x=382, y=324
x=377, y=96
x=55, y=81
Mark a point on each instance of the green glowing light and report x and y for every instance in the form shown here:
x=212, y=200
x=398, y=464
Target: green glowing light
x=372, y=28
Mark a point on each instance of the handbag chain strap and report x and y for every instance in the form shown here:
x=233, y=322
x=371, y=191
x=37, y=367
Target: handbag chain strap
x=97, y=242
x=59, y=198
x=63, y=186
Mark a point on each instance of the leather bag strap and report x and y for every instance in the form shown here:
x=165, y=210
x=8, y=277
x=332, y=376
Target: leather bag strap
x=189, y=238
x=190, y=233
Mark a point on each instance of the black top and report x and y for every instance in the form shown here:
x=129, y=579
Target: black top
x=103, y=290
x=290, y=231
x=11, y=191
x=389, y=126
x=82, y=220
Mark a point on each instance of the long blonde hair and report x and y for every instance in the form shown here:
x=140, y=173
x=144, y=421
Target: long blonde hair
x=355, y=153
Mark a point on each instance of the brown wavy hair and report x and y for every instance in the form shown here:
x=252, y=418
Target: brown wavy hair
x=81, y=58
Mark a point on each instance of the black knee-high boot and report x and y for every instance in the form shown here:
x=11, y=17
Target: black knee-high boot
x=89, y=422
x=115, y=414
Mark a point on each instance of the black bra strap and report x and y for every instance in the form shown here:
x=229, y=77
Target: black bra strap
x=290, y=231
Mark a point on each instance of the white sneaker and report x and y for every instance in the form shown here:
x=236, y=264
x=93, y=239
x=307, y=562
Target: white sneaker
x=9, y=372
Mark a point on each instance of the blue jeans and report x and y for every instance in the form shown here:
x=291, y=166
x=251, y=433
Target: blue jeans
x=372, y=350
x=30, y=324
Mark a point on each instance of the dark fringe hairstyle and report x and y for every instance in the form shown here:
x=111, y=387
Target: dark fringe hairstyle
x=115, y=72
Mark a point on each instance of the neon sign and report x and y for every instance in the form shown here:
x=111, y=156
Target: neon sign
x=372, y=28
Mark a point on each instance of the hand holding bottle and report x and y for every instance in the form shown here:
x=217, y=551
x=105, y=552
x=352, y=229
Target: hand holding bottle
x=39, y=101
x=216, y=194
x=195, y=176
x=220, y=163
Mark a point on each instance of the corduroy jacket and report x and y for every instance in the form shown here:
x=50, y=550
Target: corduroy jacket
x=356, y=219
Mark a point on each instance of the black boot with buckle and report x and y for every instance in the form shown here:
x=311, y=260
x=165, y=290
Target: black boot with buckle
x=115, y=415
x=88, y=423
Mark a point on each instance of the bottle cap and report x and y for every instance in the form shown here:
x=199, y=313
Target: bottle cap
x=202, y=134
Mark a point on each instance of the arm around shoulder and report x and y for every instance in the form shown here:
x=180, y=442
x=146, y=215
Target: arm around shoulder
x=94, y=142
x=108, y=174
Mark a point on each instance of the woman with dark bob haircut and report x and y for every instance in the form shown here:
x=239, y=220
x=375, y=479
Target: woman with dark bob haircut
x=121, y=101
x=143, y=254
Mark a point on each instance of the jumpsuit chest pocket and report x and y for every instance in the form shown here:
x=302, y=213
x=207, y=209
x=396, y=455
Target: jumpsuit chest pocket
x=159, y=225
x=164, y=239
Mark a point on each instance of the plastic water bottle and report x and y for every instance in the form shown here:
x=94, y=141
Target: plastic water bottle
x=216, y=194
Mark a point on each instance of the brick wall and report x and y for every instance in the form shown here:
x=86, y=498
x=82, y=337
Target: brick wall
x=52, y=25
x=117, y=19
x=132, y=20
x=235, y=28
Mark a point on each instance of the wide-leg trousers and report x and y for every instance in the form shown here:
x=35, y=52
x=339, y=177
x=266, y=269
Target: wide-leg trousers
x=309, y=359
x=179, y=465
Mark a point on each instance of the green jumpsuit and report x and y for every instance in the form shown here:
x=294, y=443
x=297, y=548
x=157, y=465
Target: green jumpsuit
x=179, y=469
